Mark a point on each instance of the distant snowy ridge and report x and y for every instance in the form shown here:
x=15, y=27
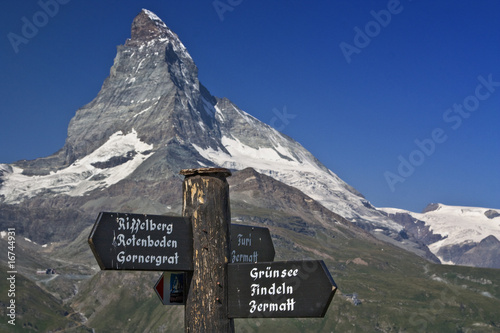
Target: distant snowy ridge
x=249, y=142
x=458, y=224
x=107, y=165
x=153, y=93
x=300, y=173
x=153, y=107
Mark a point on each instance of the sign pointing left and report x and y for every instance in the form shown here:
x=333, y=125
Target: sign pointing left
x=122, y=241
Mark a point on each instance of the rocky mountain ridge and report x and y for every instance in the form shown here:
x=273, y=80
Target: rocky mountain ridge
x=152, y=118
x=123, y=153
x=456, y=235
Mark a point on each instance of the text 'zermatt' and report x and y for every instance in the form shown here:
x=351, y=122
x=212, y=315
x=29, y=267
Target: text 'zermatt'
x=273, y=289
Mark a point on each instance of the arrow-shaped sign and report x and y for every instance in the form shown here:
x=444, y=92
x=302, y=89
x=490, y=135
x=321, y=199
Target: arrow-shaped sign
x=251, y=244
x=280, y=289
x=142, y=242
x=170, y=288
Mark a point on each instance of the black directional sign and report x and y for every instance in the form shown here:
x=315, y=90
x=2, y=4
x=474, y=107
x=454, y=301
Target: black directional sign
x=251, y=244
x=280, y=289
x=122, y=241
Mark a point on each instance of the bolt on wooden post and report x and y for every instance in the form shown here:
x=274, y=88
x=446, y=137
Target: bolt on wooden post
x=206, y=203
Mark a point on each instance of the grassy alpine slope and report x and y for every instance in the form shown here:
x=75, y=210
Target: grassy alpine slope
x=399, y=291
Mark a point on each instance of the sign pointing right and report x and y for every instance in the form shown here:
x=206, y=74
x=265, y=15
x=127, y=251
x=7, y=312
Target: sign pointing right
x=287, y=289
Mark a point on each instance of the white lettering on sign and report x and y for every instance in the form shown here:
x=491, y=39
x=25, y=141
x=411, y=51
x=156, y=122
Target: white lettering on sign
x=272, y=307
x=275, y=273
x=244, y=241
x=150, y=235
x=273, y=290
x=121, y=240
x=135, y=225
x=244, y=257
x=280, y=288
x=147, y=259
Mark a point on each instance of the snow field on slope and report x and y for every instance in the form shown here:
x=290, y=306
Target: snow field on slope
x=295, y=170
x=76, y=179
x=461, y=224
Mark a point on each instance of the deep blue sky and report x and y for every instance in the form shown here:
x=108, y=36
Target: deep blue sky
x=360, y=118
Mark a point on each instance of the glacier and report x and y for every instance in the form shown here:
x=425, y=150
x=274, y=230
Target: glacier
x=83, y=175
x=457, y=224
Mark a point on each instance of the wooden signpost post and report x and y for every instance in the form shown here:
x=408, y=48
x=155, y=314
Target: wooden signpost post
x=218, y=270
x=205, y=195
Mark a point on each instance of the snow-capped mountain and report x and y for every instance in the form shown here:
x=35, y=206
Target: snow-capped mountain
x=152, y=118
x=465, y=235
x=153, y=105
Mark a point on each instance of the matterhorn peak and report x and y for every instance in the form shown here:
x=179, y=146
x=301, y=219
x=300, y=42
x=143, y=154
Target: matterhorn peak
x=147, y=26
